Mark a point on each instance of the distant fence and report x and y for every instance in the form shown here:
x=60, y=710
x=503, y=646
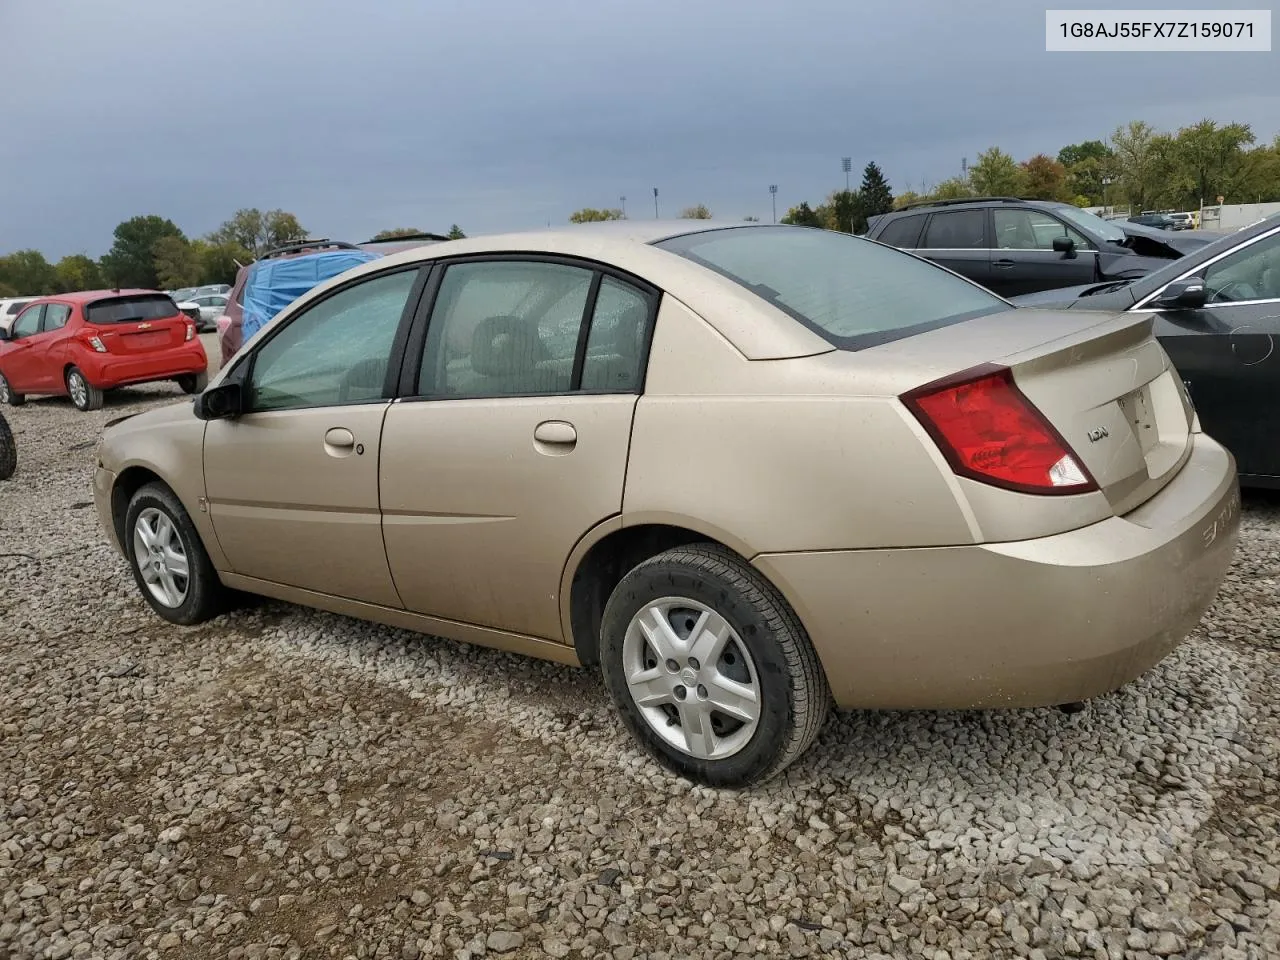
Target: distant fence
x=1233, y=216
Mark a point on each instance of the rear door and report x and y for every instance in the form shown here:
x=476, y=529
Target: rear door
x=957, y=239
x=1023, y=259
x=511, y=442
x=1228, y=353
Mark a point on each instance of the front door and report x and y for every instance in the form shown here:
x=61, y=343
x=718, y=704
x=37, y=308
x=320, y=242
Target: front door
x=292, y=483
x=23, y=357
x=1229, y=354
x=515, y=442
x=1022, y=256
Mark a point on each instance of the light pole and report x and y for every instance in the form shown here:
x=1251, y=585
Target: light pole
x=846, y=164
x=1106, y=182
x=655, y=203
x=623, y=201
x=773, y=197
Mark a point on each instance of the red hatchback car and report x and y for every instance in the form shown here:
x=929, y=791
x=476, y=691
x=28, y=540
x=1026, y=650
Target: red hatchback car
x=80, y=344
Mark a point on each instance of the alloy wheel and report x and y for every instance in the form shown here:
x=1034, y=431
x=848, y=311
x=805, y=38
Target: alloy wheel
x=161, y=557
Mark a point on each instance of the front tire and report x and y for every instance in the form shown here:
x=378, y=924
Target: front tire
x=84, y=395
x=7, y=396
x=710, y=668
x=168, y=559
x=193, y=382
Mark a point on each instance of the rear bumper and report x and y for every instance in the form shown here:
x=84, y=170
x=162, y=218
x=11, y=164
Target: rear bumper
x=1027, y=623
x=118, y=370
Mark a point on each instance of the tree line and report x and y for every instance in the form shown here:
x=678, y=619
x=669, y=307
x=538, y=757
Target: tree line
x=153, y=253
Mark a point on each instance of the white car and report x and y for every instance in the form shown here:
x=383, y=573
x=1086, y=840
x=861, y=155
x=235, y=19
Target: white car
x=9, y=310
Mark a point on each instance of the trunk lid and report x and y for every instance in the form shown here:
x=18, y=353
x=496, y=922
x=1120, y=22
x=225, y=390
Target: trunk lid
x=1102, y=380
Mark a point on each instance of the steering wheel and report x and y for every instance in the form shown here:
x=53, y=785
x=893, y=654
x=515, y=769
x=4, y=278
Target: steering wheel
x=1219, y=295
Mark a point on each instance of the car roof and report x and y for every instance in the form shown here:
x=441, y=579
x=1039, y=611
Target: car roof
x=87, y=296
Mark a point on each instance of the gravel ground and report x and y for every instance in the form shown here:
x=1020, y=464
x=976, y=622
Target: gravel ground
x=285, y=783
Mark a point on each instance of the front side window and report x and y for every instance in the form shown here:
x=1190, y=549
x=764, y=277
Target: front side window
x=55, y=316
x=957, y=230
x=504, y=328
x=334, y=352
x=852, y=292
x=28, y=322
x=1020, y=229
x=1250, y=274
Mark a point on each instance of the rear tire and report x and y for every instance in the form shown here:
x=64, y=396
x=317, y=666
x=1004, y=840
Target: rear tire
x=193, y=382
x=710, y=668
x=7, y=395
x=84, y=395
x=173, y=571
x=8, y=450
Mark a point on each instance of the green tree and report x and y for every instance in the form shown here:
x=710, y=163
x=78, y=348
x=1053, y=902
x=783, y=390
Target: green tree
x=78, y=272
x=131, y=260
x=906, y=198
x=592, y=215
x=219, y=262
x=953, y=188
x=1258, y=178
x=29, y=273
x=1044, y=178
x=455, y=233
x=877, y=198
x=996, y=174
x=803, y=215
x=396, y=232
x=1075, y=153
x=7, y=291
x=1208, y=158
x=1134, y=161
x=176, y=263
x=257, y=232
x=698, y=212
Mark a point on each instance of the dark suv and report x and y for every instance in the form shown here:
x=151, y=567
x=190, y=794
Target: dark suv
x=1015, y=246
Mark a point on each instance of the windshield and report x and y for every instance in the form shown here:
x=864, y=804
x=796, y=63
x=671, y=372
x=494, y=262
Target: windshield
x=852, y=291
x=147, y=306
x=1091, y=221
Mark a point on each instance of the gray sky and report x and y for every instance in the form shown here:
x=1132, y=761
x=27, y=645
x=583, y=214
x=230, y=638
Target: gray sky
x=498, y=114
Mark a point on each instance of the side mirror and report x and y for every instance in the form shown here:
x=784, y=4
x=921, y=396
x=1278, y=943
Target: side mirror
x=4, y=333
x=1188, y=294
x=1064, y=245
x=222, y=402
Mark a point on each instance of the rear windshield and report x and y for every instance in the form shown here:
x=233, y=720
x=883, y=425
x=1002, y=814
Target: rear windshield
x=853, y=292
x=144, y=306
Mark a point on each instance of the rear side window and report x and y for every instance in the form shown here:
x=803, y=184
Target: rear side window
x=903, y=232
x=13, y=308
x=957, y=230
x=850, y=291
x=128, y=309
x=55, y=316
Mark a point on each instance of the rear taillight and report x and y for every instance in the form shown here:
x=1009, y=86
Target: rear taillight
x=191, y=331
x=97, y=344
x=989, y=431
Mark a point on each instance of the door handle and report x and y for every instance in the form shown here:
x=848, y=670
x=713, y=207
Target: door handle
x=1003, y=264
x=339, y=442
x=555, y=432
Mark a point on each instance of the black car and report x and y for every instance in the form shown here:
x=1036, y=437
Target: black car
x=1161, y=221
x=1017, y=246
x=1217, y=314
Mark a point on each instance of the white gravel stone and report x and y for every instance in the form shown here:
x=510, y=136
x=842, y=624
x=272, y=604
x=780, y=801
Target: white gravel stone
x=283, y=783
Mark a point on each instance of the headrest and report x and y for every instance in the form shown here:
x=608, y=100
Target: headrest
x=502, y=346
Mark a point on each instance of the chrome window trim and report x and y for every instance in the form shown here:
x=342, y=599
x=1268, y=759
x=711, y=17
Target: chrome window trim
x=1196, y=271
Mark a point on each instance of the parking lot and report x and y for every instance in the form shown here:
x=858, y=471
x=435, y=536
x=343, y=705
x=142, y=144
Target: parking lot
x=286, y=783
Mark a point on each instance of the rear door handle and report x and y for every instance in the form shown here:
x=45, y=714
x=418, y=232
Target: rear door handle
x=1003, y=264
x=558, y=432
x=339, y=441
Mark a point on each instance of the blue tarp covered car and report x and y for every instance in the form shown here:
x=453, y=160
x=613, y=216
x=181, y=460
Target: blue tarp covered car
x=274, y=284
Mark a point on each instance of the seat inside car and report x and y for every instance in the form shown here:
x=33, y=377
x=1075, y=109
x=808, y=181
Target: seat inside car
x=509, y=357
